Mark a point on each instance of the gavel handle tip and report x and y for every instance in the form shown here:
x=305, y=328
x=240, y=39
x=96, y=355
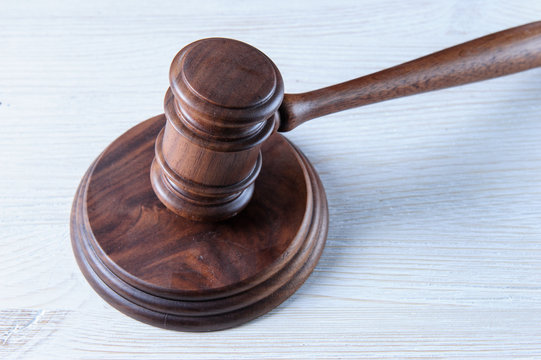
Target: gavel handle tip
x=498, y=54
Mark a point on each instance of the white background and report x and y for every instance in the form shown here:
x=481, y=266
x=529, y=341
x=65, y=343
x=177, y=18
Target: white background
x=434, y=246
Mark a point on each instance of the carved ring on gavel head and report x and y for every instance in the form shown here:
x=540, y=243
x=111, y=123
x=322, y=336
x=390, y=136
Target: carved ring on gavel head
x=220, y=108
x=205, y=217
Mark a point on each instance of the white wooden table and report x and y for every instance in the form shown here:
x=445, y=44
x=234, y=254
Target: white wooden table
x=434, y=247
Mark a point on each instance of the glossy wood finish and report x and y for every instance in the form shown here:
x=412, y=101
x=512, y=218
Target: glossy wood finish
x=217, y=266
x=220, y=108
x=177, y=274
x=433, y=247
x=224, y=94
x=502, y=53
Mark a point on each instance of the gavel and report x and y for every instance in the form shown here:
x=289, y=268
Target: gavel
x=226, y=98
x=206, y=217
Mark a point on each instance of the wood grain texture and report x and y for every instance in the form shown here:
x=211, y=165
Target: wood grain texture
x=220, y=108
x=505, y=52
x=433, y=248
x=177, y=274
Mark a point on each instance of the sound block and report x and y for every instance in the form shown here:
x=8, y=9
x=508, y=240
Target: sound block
x=164, y=270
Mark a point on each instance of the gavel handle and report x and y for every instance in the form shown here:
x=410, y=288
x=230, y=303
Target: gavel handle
x=502, y=53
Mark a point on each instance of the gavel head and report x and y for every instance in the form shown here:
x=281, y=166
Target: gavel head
x=221, y=105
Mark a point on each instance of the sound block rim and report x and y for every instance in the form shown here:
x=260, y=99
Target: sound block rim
x=225, y=310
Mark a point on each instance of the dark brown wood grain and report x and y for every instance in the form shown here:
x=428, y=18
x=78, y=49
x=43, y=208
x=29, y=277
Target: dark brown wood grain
x=224, y=95
x=174, y=273
x=253, y=214
x=494, y=55
x=220, y=108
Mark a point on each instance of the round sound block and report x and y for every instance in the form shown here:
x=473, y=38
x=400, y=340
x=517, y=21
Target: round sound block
x=170, y=272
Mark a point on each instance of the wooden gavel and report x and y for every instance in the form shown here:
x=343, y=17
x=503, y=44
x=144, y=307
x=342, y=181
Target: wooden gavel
x=226, y=98
x=253, y=211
